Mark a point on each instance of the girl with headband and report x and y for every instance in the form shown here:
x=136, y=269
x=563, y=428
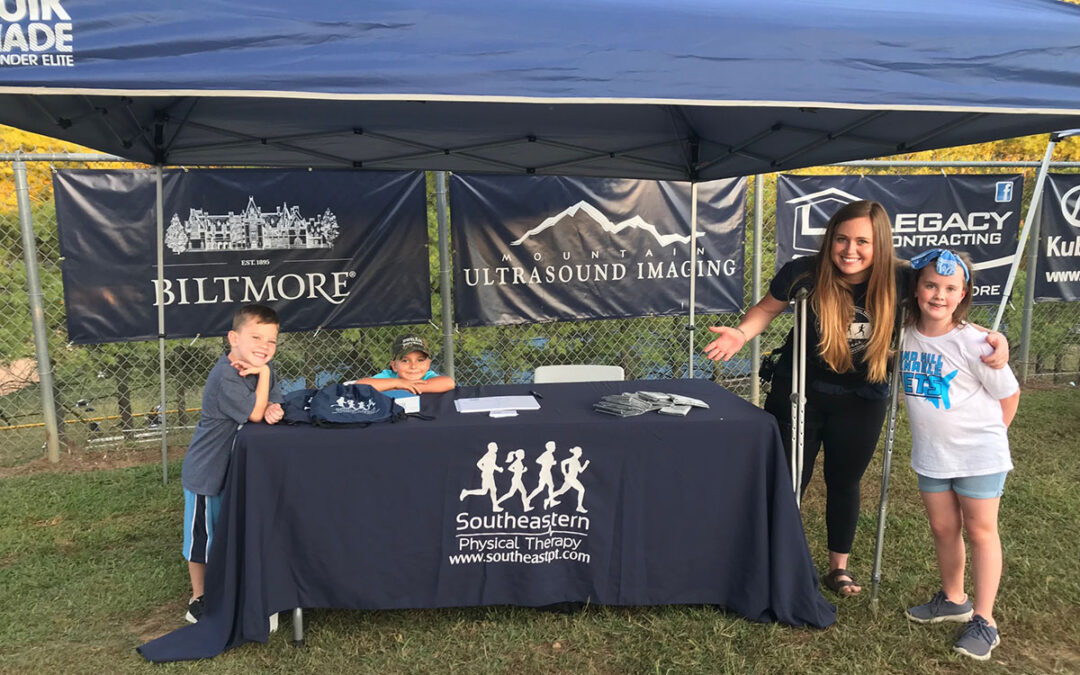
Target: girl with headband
x=853, y=283
x=960, y=411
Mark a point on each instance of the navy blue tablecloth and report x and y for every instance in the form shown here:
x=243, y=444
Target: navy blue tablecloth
x=650, y=510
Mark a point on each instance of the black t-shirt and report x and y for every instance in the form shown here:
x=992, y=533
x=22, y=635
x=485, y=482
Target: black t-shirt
x=800, y=273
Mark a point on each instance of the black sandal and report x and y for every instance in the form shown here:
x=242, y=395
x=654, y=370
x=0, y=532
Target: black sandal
x=836, y=584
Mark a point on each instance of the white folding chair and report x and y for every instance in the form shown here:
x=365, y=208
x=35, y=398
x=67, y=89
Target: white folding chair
x=578, y=373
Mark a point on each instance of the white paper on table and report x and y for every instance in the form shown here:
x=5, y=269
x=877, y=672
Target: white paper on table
x=489, y=403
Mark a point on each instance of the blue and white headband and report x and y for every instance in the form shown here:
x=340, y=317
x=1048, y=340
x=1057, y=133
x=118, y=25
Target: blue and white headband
x=946, y=262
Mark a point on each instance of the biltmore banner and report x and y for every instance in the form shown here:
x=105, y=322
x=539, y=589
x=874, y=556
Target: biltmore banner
x=1058, y=271
x=978, y=214
x=326, y=249
x=531, y=249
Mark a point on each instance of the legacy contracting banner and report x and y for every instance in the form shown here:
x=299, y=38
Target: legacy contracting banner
x=1058, y=271
x=543, y=248
x=976, y=214
x=329, y=249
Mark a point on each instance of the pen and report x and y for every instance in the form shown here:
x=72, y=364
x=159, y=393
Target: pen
x=536, y=394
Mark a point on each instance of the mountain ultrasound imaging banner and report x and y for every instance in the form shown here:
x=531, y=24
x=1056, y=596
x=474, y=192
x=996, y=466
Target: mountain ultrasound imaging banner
x=1058, y=272
x=976, y=214
x=329, y=249
x=543, y=248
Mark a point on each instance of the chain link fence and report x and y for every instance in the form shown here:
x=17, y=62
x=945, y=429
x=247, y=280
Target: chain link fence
x=108, y=395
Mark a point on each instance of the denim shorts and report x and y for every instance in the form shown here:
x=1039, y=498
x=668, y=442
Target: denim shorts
x=989, y=486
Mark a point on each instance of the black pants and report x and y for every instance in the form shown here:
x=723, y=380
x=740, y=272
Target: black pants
x=849, y=426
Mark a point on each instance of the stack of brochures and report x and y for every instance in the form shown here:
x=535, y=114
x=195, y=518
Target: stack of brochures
x=640, y=402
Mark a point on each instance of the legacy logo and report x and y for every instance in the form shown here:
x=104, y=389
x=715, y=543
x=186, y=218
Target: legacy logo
x=910, y=230
x=531, y=539
x=35, y=32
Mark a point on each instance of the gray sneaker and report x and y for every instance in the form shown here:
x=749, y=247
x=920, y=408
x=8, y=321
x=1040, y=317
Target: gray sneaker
x=941, y=609
x=978, y=639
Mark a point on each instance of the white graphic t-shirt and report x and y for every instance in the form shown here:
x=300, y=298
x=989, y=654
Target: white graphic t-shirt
x=952, y=398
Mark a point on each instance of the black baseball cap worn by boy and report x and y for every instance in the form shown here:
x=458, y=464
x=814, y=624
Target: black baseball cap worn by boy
x=407, y=344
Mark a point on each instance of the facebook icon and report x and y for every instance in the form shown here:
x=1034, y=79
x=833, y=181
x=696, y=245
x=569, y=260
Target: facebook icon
x=1004, y=191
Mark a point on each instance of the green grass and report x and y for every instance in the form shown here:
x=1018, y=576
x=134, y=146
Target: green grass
x=90, y=568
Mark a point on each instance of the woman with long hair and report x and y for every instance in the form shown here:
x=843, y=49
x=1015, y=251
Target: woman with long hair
x=852, y=310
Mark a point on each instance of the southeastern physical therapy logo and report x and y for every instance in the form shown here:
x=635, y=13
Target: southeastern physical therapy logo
x=664, y=256
x=923, y=379
x=859, y=331
x=503, y=537
x=35, y=33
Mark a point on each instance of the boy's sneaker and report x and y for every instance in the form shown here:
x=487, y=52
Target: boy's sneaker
x=194, y=610
x=939, y=609
x=978, y=639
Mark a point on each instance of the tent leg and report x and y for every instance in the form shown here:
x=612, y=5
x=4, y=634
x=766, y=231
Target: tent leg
x=1036, y=196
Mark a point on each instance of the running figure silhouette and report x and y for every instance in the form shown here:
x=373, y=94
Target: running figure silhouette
x=546, y=460
x=517, y=468
x=488, y=465
x=571, y=468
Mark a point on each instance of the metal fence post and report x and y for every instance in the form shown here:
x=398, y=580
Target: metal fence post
x=37, y=310
x=442, y=213
x=1029, y=299
x=161, y=325
x=755, y=287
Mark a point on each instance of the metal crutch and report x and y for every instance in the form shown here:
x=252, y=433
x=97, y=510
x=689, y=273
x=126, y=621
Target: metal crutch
x=798, y=393
x=886, y=466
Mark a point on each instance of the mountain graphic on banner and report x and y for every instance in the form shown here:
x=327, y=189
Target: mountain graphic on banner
x=637, y=222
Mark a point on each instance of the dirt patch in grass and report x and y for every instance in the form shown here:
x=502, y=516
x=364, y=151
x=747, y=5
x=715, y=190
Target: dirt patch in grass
x=78, y=461
x=161, y=620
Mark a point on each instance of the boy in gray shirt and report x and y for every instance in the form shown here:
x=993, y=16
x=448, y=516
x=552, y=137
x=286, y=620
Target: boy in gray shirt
x=241, y=388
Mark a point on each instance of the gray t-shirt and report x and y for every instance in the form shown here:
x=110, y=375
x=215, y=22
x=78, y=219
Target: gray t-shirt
x=228, y=399
x=952, y=397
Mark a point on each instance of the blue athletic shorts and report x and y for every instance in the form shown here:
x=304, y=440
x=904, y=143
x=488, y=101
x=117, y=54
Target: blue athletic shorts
x=200, y=515
x=989, y=486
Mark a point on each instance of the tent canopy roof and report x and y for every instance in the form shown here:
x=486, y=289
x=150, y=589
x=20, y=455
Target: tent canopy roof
x=688, y=89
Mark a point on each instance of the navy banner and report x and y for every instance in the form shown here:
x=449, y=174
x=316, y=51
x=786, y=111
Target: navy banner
x=329, y=249
x=976, y=214
x=543, y=248
x=1058, y=271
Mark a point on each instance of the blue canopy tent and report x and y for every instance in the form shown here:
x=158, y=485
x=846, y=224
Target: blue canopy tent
x=685, y=90
x=682, y=90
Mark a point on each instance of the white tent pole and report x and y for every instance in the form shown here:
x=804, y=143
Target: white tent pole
x=160, y=292
x=1040, y=181
x=693, y=269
